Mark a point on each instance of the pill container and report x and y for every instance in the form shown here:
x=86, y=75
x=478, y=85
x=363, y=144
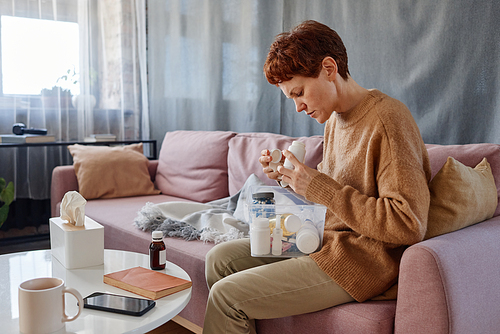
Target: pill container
x=260, y=238
x=263, y=202
x=300, y=228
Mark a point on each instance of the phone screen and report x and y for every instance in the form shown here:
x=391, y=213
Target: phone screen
x=118, y=304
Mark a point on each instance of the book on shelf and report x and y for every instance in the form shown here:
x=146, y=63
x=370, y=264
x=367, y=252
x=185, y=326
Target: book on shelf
x=28, y=138
x=100, y=137
x=146, y=282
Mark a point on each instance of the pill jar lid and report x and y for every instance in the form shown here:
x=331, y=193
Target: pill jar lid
x=261, y=223
x=296, y=142
x=276, y=155
x=269, y=194
x=157, y=235
x=292, y=223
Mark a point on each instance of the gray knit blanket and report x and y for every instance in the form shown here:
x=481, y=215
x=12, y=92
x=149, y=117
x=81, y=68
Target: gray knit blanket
x=217, y=221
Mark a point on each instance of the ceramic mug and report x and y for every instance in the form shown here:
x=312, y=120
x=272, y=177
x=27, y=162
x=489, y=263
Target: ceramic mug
x=42, y=307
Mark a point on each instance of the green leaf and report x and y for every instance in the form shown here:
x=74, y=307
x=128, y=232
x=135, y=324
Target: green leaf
x=7, y=194
x=4, y=212
x=2, y=183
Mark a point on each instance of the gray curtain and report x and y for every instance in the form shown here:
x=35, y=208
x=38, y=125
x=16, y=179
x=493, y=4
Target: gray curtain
x=441, y=58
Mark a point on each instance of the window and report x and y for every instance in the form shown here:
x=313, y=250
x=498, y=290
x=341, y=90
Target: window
x=36, y=54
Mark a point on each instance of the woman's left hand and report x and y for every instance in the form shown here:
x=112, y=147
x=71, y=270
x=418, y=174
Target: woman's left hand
x=300, y=177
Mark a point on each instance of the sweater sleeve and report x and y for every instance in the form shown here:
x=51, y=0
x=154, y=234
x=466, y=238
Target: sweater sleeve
x=398, y=215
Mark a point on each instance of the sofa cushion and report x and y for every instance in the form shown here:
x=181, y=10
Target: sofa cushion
x=108, y=172
x=193, y=165
x=245, y=149
x=460, y=196
x=470, y=155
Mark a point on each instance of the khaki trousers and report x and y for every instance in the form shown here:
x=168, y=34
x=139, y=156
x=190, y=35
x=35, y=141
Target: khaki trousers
x=244, y=288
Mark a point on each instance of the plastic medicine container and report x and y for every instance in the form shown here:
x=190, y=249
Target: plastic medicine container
x=301, y=223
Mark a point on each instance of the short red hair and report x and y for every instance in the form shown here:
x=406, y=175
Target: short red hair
x=301, y=52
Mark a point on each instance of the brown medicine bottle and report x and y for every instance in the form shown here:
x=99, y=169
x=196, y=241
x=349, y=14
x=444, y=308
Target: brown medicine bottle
x=157, y=252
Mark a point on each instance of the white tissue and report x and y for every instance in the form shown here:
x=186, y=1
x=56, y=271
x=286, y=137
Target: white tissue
x=73, y=208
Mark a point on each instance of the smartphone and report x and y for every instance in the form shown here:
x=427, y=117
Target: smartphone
x=118, y=304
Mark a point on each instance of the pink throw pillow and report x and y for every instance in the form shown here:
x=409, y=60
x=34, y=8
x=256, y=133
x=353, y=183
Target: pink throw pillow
x=193, y=165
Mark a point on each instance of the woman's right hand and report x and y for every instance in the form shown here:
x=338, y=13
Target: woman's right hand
x=265, y=160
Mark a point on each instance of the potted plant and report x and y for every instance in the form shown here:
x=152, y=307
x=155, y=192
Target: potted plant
x=55, y=97
x=6, y=197
x=60, y=94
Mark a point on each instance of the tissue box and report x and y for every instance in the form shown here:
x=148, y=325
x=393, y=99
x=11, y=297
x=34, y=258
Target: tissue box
x=77, y=246
x=304, y=219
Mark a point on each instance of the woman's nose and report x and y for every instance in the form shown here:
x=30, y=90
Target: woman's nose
x=300, y=106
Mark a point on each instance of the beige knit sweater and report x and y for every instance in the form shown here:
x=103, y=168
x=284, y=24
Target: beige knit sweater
x=374, y=182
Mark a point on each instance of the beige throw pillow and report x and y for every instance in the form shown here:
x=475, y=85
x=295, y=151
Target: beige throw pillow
x=460, y=196
x=108, y=172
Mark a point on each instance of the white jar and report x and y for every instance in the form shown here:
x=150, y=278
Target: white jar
x=308, y=239
x=298, y=149
x=260, y=237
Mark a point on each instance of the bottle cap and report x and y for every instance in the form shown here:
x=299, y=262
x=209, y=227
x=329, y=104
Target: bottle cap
x=157, y=235
x=261, y=223
x=277, y=225
x=296, y=142
x=292, y=223
x=276, y=155
x=269, y=194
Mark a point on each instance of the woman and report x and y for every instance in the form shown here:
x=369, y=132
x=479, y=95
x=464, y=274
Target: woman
x=373, y=180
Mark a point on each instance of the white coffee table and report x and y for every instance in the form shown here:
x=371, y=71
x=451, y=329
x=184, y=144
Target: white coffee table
x=18, y=267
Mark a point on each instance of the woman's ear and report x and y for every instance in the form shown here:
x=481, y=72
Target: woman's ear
x=330, y=65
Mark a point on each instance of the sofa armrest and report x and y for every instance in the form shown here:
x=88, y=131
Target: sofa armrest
x=63, y=180
x=450, y=284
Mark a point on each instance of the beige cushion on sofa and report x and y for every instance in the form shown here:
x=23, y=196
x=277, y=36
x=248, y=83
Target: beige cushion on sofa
x=460, y=196
x=108, y=172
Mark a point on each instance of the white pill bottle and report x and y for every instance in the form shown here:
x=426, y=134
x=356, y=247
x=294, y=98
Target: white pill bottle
x=308, y=239
x=298, y=149
x=260, y=237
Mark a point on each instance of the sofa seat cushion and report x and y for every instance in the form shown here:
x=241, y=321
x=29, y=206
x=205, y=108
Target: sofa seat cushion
x=193, y=165
x=470, y=155
x=245, y=150
x=117, y=215
x=356, y=318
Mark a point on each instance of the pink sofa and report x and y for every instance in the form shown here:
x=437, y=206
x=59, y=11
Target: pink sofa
x=447, y=284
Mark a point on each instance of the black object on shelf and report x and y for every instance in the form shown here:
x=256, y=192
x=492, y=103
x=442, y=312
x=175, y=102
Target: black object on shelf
x=20, y=129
